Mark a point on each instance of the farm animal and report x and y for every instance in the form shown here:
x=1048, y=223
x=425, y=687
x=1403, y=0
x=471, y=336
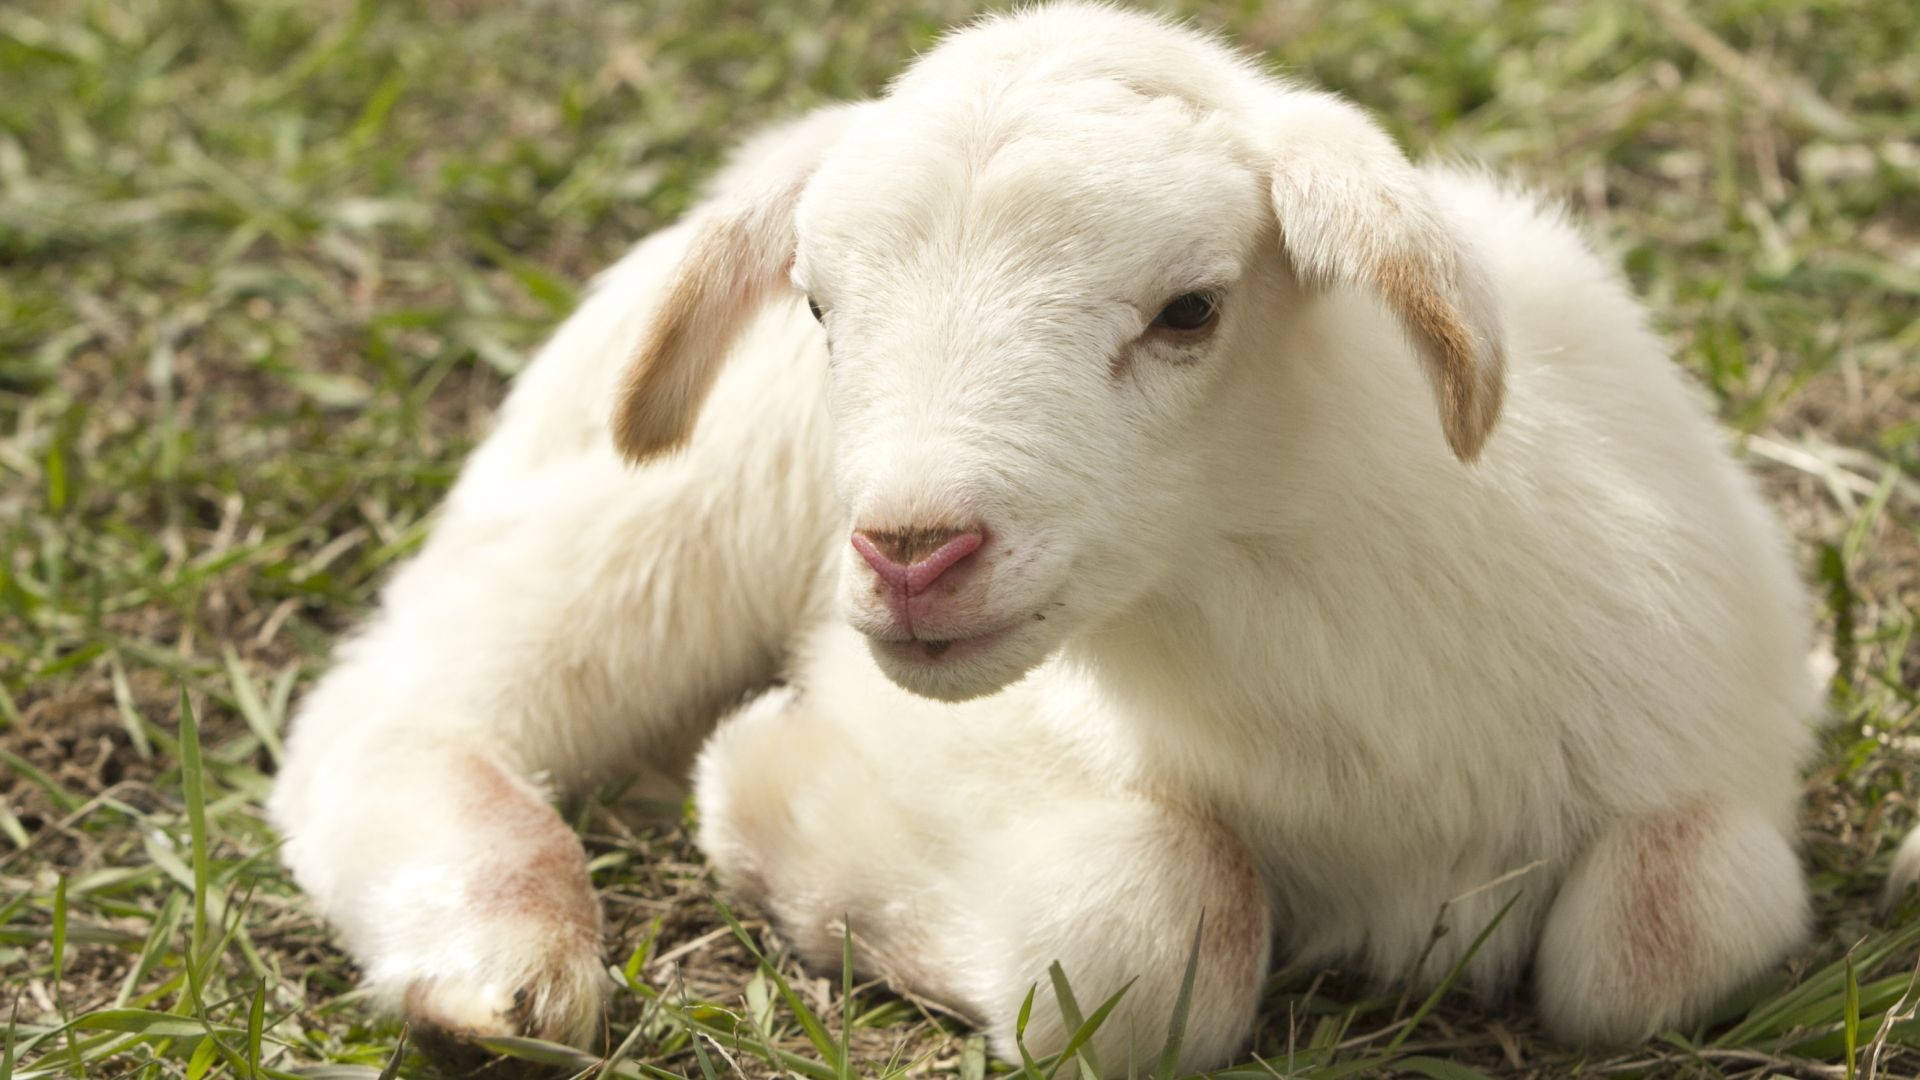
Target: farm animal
x=1165, y=508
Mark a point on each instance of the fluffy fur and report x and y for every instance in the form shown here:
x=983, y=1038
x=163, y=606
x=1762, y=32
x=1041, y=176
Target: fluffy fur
x=1419, y=584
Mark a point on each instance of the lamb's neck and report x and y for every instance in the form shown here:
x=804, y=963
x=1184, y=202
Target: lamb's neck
x=1201, y=643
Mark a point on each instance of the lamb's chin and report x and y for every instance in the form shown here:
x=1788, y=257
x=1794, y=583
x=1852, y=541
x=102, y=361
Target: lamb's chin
x=963, y=668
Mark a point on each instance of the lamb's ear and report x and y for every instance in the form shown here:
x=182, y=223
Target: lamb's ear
x=1353, y=211
x=738, y=258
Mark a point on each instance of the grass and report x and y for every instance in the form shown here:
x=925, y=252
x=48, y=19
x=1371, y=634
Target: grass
x=266, y=266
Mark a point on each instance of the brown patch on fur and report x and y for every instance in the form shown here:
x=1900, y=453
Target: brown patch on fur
x=539, y=879
x=1236, y=932
x=1447, y=345
x=910, y=545
x=1658, y=918
x=544, y=875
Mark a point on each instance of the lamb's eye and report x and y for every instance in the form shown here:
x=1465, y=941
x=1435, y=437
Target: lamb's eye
x=818, y=315
x=1188, y=313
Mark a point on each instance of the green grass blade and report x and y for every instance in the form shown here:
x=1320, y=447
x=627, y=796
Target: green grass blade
x=60, y=967
x=256, y=1024
x=1852, y=1015
x=1453, y=973
x=844, y=1066
x=10, y=825
x=1070, y=1014
x=706, y=1063
x=193, y=786
x=1028, y=1067
x=781, y=1060
x=1438, y=1069
x=60, y=930
x=1819, y=999
x=130, y=718
x=253, y=708
x=159, y=938
x=816, y=1032
x=1079, y=1048
x=538, y=1051
x=65, y=800
x=1177, y=1027
x=203, y=1054
x=392, y=1068
x=147, y=1022
x=198, y=964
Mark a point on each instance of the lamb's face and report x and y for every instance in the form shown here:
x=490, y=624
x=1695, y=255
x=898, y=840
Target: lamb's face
x=1016, y=254
x=1027, y=311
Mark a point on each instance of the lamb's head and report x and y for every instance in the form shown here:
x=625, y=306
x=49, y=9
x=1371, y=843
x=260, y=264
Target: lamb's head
x=1034, y=261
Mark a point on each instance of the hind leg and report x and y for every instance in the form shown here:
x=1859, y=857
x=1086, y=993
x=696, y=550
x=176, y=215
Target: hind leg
x=1663, y=917
x=968, y=850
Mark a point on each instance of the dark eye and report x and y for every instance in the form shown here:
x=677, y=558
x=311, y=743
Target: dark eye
x=818, y=315
x=1188, y=313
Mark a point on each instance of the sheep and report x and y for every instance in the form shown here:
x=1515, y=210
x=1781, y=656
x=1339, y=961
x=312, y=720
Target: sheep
x=1167, y=518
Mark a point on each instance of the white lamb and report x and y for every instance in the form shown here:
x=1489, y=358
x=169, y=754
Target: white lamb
x=1187, y=572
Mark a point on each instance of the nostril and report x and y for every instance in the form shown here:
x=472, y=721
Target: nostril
x=912, y=559
x=890, y=571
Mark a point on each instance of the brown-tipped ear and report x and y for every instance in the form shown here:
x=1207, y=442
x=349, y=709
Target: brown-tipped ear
x=720, y=280
x=1353, y=211
x=739, y=256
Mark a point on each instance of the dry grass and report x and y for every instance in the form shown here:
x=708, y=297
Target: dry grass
x=265, y=268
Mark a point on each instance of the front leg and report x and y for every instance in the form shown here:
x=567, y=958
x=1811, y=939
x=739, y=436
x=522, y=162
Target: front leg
x=571, y=620
x=1663, y=917
x=968, y=848
x=576, y=641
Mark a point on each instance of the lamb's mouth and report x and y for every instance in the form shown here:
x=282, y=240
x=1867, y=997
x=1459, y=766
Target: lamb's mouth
x=918, y=650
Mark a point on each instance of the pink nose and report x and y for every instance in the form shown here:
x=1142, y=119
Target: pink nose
x=913, y=559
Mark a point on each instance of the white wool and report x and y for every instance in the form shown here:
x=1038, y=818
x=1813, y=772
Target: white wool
x=1423, y=582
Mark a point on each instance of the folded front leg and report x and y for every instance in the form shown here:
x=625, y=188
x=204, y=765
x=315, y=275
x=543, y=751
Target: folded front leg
x=968, y=852
x=1663, y=917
